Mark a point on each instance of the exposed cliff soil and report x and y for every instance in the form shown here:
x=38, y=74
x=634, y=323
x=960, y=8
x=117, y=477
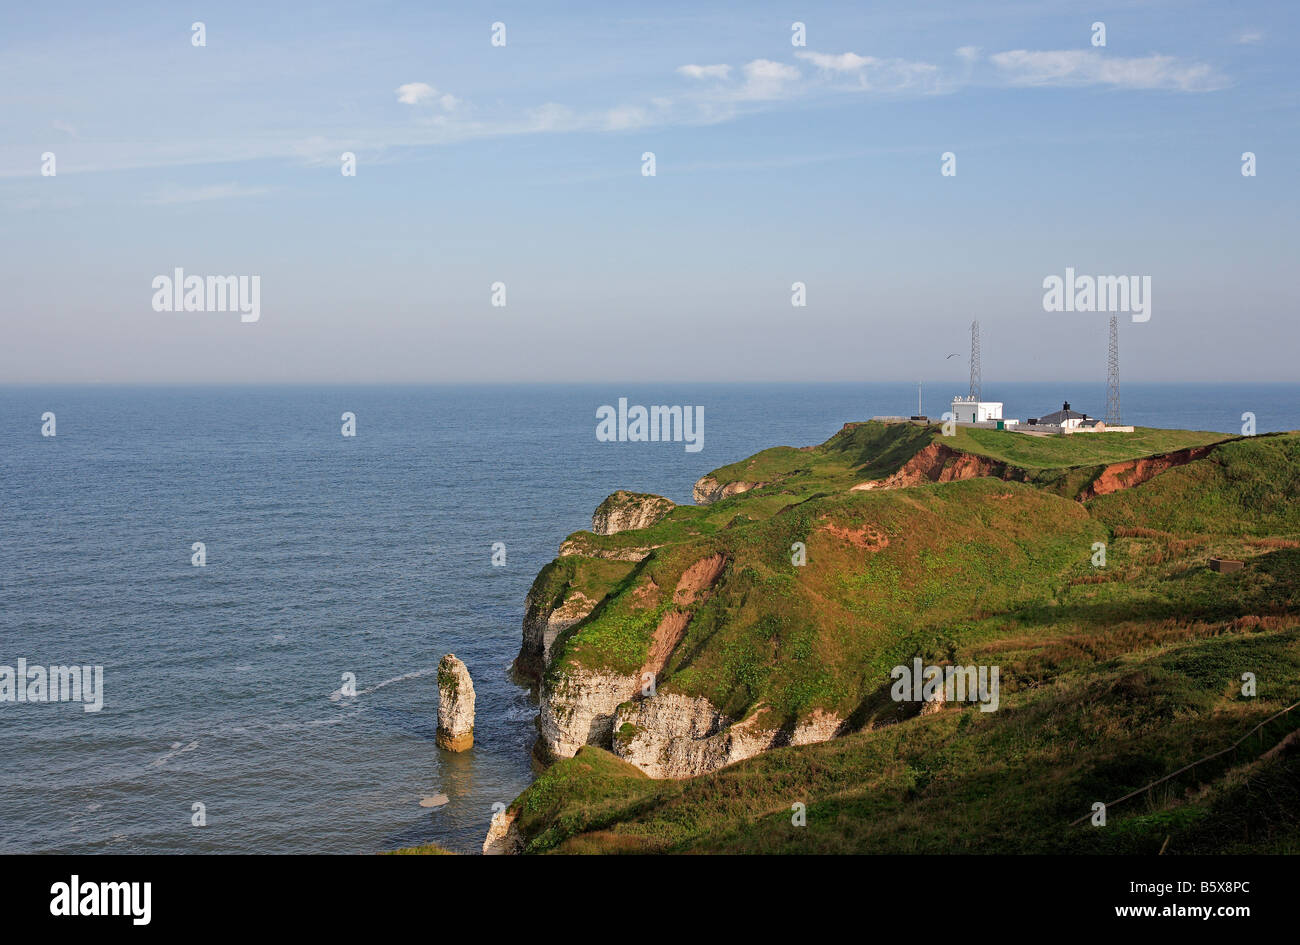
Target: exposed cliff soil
x=866, y=537
x=668, y=634
x=697, y=580
x=693, y=587
x=1134, y=472
x=939, y=463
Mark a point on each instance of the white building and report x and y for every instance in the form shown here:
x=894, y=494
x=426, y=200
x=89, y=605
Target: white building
x=970, y=410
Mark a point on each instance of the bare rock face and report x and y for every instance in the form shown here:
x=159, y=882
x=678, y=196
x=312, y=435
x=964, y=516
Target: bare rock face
x=578, y=709
x=578, y=706
x=503, y=837
x=675, y=736
x=586, y=549
x=624, y=511
x=543, y=623
x=455, y=705
x=708, y=490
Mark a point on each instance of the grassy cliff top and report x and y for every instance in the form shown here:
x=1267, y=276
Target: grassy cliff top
x=1112, y=675
x=873, y=450
x=893, y=572
x=1078, y=449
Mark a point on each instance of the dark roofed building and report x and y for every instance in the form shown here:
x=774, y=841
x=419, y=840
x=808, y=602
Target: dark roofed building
x=1065, y=417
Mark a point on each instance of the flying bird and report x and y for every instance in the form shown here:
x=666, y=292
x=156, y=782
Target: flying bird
x=952, y=356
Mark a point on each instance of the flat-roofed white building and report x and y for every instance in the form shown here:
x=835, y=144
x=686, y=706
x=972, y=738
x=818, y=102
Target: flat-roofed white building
x=970, y=410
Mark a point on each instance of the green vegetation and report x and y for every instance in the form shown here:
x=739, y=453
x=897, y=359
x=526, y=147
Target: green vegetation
x=1080, y=449
x=1011, y=781
x=1111, y=677
x=1246, y=487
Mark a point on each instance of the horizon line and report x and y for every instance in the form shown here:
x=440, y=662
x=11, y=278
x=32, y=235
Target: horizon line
x=630, y=383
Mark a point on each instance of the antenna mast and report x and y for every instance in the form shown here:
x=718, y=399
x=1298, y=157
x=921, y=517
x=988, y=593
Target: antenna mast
x=1112, y=376
x=975, y=361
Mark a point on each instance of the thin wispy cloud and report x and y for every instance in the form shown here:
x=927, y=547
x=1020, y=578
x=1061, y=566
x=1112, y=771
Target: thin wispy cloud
x=705, y=72
x=695, y=93
x=1066, y=67
x=179, y=195
x=766, y=79
x=844, y=62
x=872, y=74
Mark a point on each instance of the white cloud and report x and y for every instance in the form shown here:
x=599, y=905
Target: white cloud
x=413, y=93
x=1247, y=37
x=420, y=93
x=765, y=79
x=881, y=75
x=844, y=62
x=1089, y=67
x=705, y=72
x=968, y=53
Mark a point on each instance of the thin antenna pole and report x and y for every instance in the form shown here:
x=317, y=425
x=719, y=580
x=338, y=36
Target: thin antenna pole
x=975, y=382
x=1112, y=376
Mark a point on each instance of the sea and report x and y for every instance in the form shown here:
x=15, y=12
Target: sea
x=228, y=723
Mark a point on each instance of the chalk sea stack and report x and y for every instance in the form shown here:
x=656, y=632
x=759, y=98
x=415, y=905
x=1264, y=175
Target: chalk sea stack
x=455, y=705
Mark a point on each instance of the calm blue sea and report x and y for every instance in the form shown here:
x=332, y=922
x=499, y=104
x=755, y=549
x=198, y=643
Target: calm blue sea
x=325, y=555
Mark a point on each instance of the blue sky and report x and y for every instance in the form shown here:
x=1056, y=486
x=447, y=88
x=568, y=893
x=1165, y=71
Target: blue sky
x=522, y=164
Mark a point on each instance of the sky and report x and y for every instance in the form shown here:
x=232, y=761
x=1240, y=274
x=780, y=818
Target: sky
x=522, y=164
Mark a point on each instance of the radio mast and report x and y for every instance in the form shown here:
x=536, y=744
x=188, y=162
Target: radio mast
x=1112, y=376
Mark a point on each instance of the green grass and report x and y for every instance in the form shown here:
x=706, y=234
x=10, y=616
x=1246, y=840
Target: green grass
x=1247, y=487
x=1079, y=449
x=1010, y=781
x=798, y=639
x=858, y=452
x=1111, y=677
